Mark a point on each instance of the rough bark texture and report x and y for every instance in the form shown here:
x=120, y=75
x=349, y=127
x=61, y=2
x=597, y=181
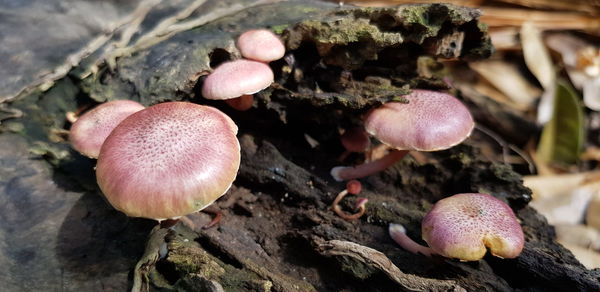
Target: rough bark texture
x=278, y=233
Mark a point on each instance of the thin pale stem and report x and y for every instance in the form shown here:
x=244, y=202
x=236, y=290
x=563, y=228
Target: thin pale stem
x=217, y=215
x=242, y=103
x=398, y=234
x=341, y=173
x=335, y=206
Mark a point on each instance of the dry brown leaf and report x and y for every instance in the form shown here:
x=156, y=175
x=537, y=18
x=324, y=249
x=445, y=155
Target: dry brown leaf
x=563, y=198
x=592, y=217
x=589, y=258
x=505, y=38
x=536, y=55
x=507, y=78
x=540, y=64
x=582, y=63
x=578, y=234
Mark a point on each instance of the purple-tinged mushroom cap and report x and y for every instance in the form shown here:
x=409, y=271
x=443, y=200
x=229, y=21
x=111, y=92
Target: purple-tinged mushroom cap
x=169, y=160
x=463, y=225
x=90, y=130
x=260, y=45
x=236, y=78
x=430, y=121
x=355, y=140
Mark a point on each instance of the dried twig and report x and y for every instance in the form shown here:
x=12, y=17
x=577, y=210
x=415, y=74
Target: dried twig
x=153, y=253
x=378, y=260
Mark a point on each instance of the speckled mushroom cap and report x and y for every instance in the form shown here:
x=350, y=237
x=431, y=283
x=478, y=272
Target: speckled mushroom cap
x=260, y=45
x=91, y=129
x=430, y=121
x=169, y=160
x=236, y=78
x=463, y=225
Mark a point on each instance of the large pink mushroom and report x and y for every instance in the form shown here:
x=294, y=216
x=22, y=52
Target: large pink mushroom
x=260, y=45
x=237, y=79
x=429, y=121
x=89, y=131
x=464, y=226
x=169, y=160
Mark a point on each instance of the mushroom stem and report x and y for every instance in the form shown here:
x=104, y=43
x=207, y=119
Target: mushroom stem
x=71, y=117
x=168, y=223
x=341, y=173
x=353, y=187
x=217, y=215
x=398, y=234
x=242, y=103
x=344, y=155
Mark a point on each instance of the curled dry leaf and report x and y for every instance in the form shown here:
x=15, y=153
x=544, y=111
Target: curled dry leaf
x=592, y=217
x=582, y=63
x=539, y=63
x=578, y=234
x=563, y=199
x=508, y=80
x=589, y=258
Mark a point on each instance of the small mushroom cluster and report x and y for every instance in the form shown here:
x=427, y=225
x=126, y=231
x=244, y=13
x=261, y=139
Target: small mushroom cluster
x=461, y=226
x=236, y=81
x=175, y=158
x=160, y=162
x=429, y=121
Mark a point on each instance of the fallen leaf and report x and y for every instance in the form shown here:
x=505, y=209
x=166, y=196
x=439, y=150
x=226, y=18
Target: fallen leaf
x=536, y=55
x=563, y=199
x=578, y=234
x=589, y=258
x=562, y=137
x=540, y=64
x=582, y=63
x=507, y=78
x=592, y=217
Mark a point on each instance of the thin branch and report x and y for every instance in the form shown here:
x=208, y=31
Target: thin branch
x=380, y=261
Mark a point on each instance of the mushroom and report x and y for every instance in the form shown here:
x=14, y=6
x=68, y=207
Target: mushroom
x=354, y=140
x=260, y=45
x=463, y=226
x=352, y=187
x=237, y=79
x=430, y=121
x=89, y=131
x=169, y=160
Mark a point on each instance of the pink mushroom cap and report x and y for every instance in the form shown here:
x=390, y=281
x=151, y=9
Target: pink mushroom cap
x=260, y=45
x=90, y=130
x=169, y=160
x=236, y=78
x=355, y=140
x=463, y=225
x=430, y=121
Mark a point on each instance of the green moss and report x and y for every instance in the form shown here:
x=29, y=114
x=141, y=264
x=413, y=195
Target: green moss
x=189, y=259
x=505, y=172
x=356, y=268
x=278, y=29
x=192, y=264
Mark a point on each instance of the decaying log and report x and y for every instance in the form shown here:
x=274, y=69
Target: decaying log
x=340, y=62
